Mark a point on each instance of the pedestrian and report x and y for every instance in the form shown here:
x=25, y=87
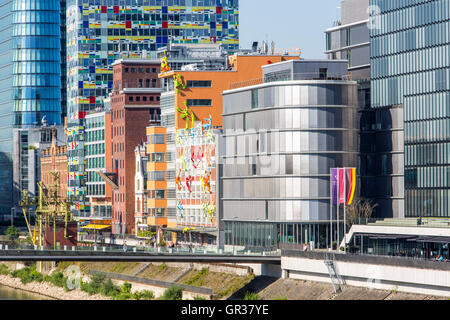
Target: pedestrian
x=124, y=246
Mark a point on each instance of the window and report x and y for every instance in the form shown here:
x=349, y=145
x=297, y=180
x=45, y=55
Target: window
x=126, y=70
x=158, y=175
x=199, y=84
x=157, y=139
x=199, y=102
x=138, y=99
x=130, y=99
x=159, y=212
x=147, y=70
x=170, y=175
x=254, y=98
x=157, y=157
x=157, y=194
x=262, y=142
x=323, y=73
x=144, y=98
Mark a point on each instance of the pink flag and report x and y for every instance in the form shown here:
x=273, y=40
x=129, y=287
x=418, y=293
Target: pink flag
x=341, y=185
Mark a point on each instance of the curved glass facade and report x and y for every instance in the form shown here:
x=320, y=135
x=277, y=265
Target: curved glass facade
x=280, y=141
x=36, y=33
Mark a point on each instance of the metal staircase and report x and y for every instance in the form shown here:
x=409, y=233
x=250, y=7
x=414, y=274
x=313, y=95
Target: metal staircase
x=336, y=279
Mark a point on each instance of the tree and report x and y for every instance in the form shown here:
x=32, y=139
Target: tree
x=172, y=293
x=12, y=233
x=360, y=208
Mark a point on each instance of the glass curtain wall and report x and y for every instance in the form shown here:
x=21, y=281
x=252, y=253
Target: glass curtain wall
x=410, y=57
x=36, y=37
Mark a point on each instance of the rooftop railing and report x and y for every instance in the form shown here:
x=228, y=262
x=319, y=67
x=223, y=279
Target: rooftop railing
x=406, y=222
x=284, y=76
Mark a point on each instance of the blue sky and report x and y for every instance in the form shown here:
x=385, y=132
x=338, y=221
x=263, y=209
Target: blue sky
x=290, y=23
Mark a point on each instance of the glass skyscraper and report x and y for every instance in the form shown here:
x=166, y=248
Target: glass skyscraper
x=410, y=69
x=102, y=31
x=30, y=88
x=36, y=61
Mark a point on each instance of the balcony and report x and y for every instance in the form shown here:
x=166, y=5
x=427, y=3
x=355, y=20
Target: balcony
x=138, y=87
x=287, y=76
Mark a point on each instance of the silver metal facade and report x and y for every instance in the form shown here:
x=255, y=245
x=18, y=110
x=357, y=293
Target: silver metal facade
x=281, y=139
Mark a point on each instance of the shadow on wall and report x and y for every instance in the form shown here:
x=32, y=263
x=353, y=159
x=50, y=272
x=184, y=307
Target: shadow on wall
x=377, y=160
x=258, y=284
x=7, y=189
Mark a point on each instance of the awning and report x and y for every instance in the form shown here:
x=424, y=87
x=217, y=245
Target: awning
x=96, y=226
x=212, y=232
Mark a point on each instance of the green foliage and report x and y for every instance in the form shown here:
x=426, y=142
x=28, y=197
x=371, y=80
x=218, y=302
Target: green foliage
x=27, y=275
x=4, y=270
x=163, y=266
x=162, y=243
x=126, y=287
x=280, y=298
x=199, y=298
x=251, y=296
x=146, y=234
x=172, y=293
x=197, y=279
x=99, y=284
x=12, y=233
x=57, y=279
x=109, y=289
x=144, y=295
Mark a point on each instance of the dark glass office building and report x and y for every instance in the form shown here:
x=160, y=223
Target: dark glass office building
x=410, y=69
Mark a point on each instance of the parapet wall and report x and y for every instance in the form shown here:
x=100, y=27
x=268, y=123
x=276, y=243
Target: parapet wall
x=386, y=273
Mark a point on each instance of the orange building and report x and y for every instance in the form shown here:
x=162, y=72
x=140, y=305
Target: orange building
x=203, y=89
x=195, y=96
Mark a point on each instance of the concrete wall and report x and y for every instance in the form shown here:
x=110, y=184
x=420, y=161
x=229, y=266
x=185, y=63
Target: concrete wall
x=375, y=276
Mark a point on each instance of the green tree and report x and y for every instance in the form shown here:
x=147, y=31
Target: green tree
x=172, y=293
x=126, y=287
x=12, y=233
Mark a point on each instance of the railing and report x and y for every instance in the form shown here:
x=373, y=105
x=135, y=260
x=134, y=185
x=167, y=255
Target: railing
x=371, y=259
x=407, y=222
x=276, y=77
x=137, y=85
x=193, y=251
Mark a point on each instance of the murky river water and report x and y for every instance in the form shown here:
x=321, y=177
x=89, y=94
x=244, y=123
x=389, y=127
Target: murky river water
x=7, y=293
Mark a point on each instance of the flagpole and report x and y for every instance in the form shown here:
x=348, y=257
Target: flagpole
x=337, y=212
x=331, y=209
x=345, y=202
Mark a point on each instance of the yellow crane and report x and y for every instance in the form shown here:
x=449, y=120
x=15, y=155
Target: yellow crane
x=50, y=209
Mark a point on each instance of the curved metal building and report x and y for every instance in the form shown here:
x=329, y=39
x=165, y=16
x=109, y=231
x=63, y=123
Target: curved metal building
x=281, y=139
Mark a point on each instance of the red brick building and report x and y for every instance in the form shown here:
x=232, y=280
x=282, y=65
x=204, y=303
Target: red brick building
x=64, y=236
x=134, y=106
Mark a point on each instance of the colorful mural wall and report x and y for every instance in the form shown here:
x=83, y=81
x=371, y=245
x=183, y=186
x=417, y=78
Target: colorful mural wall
x=196, y=176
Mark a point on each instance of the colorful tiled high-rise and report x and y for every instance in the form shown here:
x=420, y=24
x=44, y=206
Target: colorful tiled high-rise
x=101, y=31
